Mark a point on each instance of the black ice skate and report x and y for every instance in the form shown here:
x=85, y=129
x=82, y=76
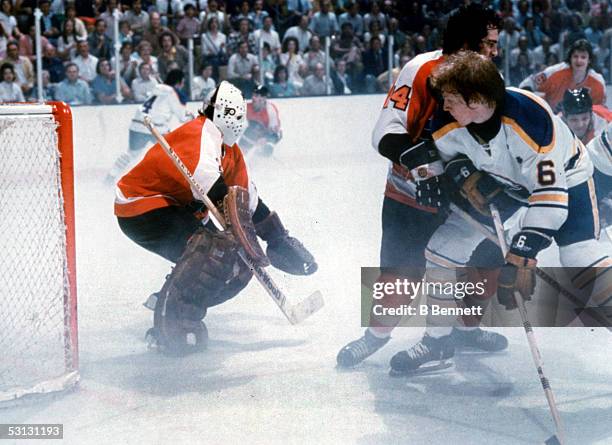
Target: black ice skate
x=358, y=350
x=192, y=339
x=429, y=349
x=479, y=339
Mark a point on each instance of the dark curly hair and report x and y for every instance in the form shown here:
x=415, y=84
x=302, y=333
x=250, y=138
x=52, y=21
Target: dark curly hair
x=468, y=25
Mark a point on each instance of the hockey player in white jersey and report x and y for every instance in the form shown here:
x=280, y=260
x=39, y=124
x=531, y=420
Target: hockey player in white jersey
x=167, y=101
x=409, y=215
x=498, y=142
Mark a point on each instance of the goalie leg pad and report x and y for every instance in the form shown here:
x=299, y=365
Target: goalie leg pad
x=239, y=219
x=208, y=273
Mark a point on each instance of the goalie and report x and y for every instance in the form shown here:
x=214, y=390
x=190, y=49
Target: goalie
x=157, y=209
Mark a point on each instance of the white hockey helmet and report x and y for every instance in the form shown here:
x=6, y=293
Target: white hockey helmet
x=229, y=112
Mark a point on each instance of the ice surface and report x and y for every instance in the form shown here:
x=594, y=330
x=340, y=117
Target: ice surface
x=263, y=381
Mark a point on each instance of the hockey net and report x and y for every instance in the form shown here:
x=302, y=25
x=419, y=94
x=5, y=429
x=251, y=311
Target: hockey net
x=38, y=324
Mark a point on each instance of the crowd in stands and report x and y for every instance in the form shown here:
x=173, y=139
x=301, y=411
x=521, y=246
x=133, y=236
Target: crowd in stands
x=279, y=41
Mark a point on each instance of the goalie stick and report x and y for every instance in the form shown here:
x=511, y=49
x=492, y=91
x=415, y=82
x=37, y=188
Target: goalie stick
x=593, y=315
x=295, y=313
x=533, y=347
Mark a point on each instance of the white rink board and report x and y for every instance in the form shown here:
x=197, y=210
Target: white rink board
x=263, y=381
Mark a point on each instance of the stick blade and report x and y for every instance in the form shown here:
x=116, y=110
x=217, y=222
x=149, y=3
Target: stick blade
x=553, y=440
x=305, y=308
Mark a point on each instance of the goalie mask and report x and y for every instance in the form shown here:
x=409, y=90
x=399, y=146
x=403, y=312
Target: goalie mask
x=229, y=113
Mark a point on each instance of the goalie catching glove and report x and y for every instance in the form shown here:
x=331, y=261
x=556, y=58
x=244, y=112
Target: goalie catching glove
x=285, y=252
x=518, y=274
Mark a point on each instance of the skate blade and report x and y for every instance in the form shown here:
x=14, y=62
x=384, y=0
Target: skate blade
x=442, y=365
x=305, y=308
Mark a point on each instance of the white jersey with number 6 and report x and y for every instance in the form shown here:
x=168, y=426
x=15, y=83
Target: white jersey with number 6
x=534, y=154
x=161, y=107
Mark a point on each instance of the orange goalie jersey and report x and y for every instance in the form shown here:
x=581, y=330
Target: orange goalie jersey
x=156, y=182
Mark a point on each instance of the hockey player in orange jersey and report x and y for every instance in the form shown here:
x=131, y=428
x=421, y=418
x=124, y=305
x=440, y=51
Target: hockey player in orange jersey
x=156, y=208
x=575, y=72
x=264, y=129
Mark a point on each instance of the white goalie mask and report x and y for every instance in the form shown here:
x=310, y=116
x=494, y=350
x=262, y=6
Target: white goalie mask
x=230, y=112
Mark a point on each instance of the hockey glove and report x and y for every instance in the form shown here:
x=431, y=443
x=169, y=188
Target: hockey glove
x=285, y=252
x=518, y=274
x=477, y=187
x=427, y=170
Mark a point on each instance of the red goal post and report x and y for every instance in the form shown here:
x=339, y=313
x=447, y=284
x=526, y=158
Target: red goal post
x=38, y=293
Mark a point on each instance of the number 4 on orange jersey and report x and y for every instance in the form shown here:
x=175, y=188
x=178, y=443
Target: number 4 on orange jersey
x=399, y=97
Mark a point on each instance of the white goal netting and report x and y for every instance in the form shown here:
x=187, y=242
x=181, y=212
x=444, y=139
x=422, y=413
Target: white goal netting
x=35, y=341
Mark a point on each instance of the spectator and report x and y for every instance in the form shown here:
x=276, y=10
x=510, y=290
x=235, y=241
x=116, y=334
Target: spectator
x=189, y=25
x=268, y=64
x=400, y=37
x=242, y=35
x=9, y=89
x=137, y=18
x=245, y=13
x=73, y=90
x=79, y=25
x=521, y=69
x=203, y=84
x=154, y=31
x=349, y=49
x=376, y=14
x=144, y=54
x=27, y=43
x=50, y=24
x=4, y=39
x=242, y=69
x=213, y=46
x=293, y=61
x=22, y=67
x=532, y=33
x=171, y=51
x=100, y=45
x=341, y=79
x=267, y=35
x=258, y=16
x=299, y=7
x=144, y=84
x=353, y=17
x=576, y=72
x=374, y=30
x=541, y=52
x=314, y=54
x=406, y=52
x=104, y=86
x=324, y=22
x=53, y=64
x=213, y=10
x=317, y=84
x=109, y=18
x=67, y=41
x=283, y=18
x=86, y=62
x=125, y=33
x=127, y=63
x=508, y=37
x=281, y=87
x=301, y=33
x=48, y=90
x=522, y=48
x=374, y=64
x=8, y=20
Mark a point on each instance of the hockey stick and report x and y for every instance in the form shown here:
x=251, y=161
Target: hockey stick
x=592, y=314
x=295, y=313
x=535, y=352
